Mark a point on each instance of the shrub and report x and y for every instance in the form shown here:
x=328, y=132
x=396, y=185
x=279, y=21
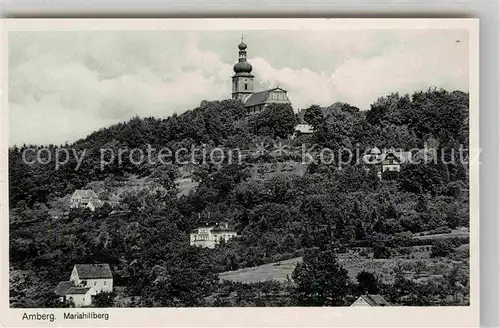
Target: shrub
x=404, y=250
x=364, y=252
x=441, y=249
x=381, y=252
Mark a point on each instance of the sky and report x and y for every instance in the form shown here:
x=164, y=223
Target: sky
x=63, y=85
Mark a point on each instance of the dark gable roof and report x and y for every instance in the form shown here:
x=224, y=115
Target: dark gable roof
x=257, y=98
x=222, y=229
x=375, y=300
x=78, y=290
x=63, y=288
x=260, y=97
x=93, y=271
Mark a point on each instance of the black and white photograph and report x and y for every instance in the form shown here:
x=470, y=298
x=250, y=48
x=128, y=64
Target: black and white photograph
x=241, y=167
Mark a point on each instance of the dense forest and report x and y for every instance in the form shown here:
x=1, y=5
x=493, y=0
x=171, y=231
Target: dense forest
x=319, y=215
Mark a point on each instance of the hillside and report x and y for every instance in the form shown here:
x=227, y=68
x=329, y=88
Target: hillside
x=281, y=207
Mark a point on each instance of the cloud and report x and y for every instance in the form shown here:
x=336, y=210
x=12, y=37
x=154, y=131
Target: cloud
x=64, y=85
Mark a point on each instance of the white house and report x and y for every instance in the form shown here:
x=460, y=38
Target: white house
x=81, y=296
x=209, y=236
x=86, y=281
x=97, y=276
x=85, y=198
x=388, y=159
x=370, y=300
x=303, y=128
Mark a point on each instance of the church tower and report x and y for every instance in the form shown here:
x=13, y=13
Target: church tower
x=242, y=79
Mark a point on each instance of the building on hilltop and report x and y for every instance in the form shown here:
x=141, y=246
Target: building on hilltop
x=243, y=86
x=211, y=235
x=85, y=198
x=86, y=281
x=370, y=300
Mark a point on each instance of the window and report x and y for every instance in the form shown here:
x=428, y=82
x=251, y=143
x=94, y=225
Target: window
x=104, y=282
x=95, y=283
x=246, y=86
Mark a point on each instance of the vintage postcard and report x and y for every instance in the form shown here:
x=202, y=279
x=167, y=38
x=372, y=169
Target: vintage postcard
x=240, y=172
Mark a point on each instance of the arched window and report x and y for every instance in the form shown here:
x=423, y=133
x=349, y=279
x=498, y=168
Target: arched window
x=246, y=86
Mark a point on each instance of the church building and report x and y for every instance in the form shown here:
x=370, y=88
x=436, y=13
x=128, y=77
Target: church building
x=243, y=86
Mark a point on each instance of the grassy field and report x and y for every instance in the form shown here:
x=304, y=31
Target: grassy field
x=459, y=232
x=273, y=271
x=355, y=263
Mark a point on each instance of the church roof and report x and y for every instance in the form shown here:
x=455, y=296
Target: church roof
x=257, y=98
x=242, y=45
x=260, y=97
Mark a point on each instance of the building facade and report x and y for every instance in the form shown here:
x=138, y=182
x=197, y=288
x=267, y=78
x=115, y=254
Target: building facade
x=97, y=276
x=81, y=296
x=210, y=236
x=86, y=281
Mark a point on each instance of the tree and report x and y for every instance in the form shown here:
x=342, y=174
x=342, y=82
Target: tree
x=278, y=120
x=381, y=252
x=320, y=279
x=314, y=116
x=104, y=300
x=164, y=176
x=422, y=178
x=442, y=248
x=367, y=282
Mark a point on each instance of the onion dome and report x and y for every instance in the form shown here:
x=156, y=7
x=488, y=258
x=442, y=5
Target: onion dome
x=242, y=46
x=242, y=67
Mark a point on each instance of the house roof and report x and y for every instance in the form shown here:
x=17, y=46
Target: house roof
x=93, y=271
x=375, y=158
x=87, y=193
x=195, y=230
x=94, y=202
x=260, y=97
x=403, y=156
x=78, y=290
x=214, y=228
x=304, y=128
x=222, y=229
x=375, y=300
x=63, y=287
